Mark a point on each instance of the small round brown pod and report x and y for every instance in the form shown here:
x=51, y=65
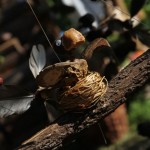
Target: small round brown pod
x=84, y=94
x=72, y=39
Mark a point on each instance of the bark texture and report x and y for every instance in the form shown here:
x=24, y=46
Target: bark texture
x=65, y=129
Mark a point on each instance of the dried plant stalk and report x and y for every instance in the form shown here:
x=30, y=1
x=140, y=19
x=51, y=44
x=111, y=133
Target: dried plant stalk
x=84, y=94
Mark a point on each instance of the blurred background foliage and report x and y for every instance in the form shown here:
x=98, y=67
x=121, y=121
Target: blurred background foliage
x=56, y=17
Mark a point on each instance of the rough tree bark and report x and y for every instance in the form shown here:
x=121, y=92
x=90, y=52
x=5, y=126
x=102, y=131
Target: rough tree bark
x=65, y=129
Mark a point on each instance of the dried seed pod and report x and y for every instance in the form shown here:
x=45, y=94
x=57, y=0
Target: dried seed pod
x=93, y=46
x=76, y=72
x=84, y=94
x=72, y=38
x=64, y=72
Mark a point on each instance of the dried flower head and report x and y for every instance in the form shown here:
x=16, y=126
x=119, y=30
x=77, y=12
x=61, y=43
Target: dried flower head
x=84, y=94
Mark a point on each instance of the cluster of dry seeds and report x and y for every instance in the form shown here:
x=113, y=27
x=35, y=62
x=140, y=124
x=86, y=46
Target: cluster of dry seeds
x=85, y=93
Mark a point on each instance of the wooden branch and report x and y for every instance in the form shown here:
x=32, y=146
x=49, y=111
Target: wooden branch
x=57, y=135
